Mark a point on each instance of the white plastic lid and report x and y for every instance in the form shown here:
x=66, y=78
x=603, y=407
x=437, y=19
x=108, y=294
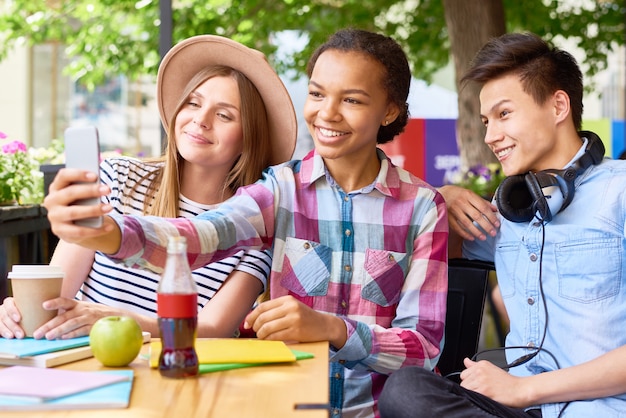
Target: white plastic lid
x=35, y=271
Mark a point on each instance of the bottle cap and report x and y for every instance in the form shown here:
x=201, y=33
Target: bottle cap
x=177, y=244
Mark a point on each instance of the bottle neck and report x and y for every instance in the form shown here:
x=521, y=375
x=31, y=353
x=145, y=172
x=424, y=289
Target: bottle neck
x=176, y=277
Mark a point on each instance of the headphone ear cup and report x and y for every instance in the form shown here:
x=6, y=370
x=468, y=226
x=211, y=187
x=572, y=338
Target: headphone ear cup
x=514, y=200
x=540, y=202
x=521, y=197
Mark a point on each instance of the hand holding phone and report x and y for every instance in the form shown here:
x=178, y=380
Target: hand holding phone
x=82, y=151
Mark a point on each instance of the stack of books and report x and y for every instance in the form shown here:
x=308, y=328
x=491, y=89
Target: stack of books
x=31, y=384
x=46, y=353
x=43, y=353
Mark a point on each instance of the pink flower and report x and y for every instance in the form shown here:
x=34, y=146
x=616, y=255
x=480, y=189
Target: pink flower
x=2, y=135
x=14, y=147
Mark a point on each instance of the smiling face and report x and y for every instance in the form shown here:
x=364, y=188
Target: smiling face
x=208, y=127
x=346, y=105
x=521, y=133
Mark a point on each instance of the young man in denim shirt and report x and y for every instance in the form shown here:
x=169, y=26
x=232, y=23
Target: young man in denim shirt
x=559, y=251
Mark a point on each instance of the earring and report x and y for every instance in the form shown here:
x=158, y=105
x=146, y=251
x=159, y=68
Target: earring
x=386, y=122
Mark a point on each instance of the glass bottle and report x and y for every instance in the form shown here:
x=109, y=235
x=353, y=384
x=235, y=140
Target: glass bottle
x=177, y=311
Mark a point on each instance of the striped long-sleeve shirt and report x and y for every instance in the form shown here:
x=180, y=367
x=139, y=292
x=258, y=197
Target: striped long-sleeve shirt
x=376, y=257
x=135, y=289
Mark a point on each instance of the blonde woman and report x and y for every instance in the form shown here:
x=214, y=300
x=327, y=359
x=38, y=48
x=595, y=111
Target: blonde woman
x=228, y=116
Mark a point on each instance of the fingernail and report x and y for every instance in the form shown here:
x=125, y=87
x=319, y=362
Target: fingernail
x=246, y=325
x=19, y=334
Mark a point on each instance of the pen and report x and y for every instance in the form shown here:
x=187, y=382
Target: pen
x=312, y=406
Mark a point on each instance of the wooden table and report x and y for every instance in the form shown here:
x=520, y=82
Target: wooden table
x=255, y=392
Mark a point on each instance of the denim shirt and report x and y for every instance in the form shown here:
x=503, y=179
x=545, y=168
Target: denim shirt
x=580, y=266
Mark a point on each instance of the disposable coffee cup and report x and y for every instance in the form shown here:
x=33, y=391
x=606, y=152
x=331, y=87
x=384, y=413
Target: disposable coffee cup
x=32, y=285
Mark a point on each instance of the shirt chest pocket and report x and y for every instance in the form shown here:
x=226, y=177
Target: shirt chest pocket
x=384, y=276
x=589, y=270
x=306, y=267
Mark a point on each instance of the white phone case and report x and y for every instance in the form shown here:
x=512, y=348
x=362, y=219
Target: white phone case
x=82, y=151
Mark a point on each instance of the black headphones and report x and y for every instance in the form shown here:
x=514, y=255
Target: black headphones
x=519, y=198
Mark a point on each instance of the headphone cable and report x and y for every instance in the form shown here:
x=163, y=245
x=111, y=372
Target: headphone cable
x=536, y=350
x=527, y=357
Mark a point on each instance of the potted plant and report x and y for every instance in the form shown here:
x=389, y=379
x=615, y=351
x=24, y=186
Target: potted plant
x=21, y=176
x=21, y=182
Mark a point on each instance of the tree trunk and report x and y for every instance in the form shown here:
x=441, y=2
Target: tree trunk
x=470, y=24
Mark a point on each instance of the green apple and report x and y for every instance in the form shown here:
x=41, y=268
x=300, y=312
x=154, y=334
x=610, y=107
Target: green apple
x=115, y=340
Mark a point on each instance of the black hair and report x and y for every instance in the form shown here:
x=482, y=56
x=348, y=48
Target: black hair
x=396, y=77
x=542, y=68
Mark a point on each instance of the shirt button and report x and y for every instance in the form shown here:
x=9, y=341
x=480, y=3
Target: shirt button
x=343, y=304
x=531, y=301
x=390, y=258
x=346, y=198
x=533, y=257
x=306, y=245
x=347, y=267
x=530, y=345
x=348, y=232
x=341, y=362
x=337, y=375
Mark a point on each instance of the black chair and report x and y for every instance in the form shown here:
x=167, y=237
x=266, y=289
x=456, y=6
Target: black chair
x=468, y=284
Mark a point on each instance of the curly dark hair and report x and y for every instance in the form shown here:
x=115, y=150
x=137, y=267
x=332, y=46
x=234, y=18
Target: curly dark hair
x=397, y=75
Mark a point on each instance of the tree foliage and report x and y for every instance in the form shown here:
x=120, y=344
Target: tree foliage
x=110, y=37
x=106, y=37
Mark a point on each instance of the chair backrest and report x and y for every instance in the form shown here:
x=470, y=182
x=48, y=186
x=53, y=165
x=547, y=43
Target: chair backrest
x=468, y=281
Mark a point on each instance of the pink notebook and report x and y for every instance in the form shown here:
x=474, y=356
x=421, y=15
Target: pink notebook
x=41, y=385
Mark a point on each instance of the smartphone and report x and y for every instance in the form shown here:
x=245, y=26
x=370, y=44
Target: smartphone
x=82, y=151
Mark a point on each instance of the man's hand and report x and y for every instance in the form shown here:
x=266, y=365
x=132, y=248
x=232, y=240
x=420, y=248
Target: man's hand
x=488, y=379
x=466, y=207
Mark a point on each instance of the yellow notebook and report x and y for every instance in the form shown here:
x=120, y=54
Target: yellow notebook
x=233, y=350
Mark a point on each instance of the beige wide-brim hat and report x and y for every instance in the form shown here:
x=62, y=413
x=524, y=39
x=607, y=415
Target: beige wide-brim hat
x=190, y=56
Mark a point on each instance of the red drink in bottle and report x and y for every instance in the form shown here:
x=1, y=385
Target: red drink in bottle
x=177, y=311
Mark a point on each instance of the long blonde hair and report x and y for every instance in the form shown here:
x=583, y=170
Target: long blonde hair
x=164, y=188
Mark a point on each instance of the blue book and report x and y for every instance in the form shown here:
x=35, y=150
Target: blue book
x=115, y=395
x=43, y=353
x=26, y=347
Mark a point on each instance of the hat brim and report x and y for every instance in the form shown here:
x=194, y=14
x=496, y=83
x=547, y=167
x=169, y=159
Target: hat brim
x=193, y=54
